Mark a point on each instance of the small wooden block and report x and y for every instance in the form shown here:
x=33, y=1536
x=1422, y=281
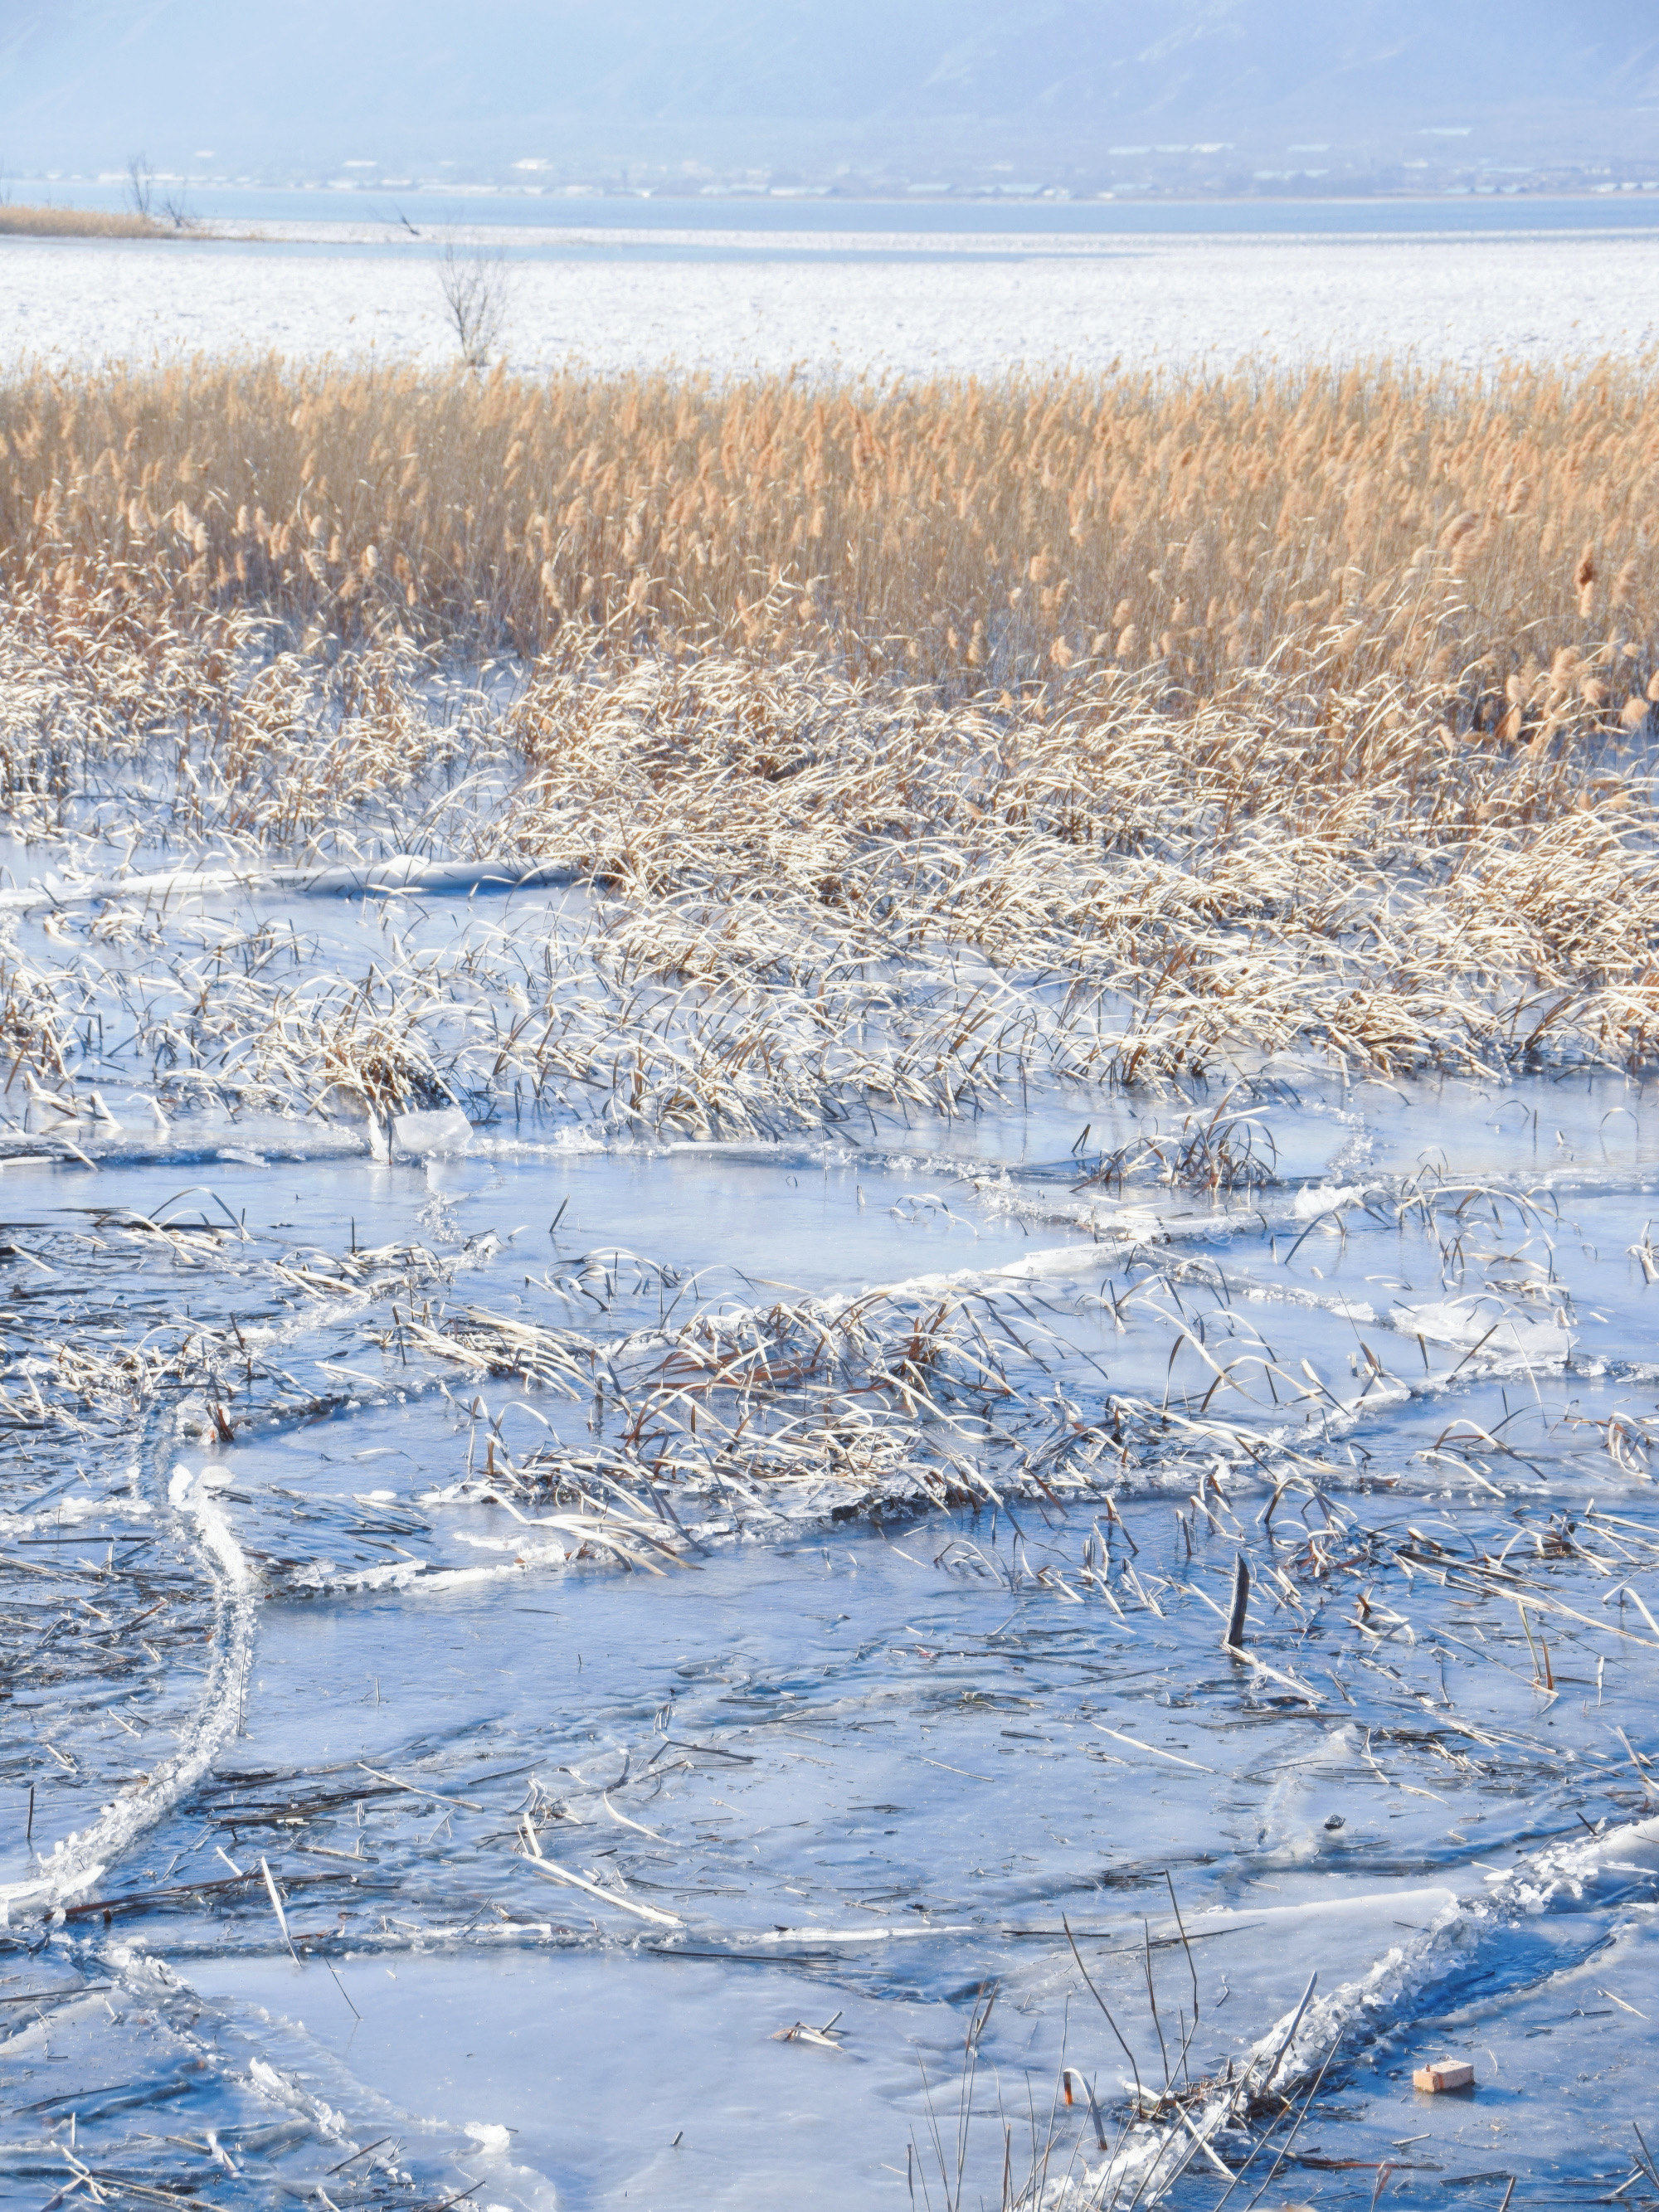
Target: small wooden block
x=1450, y=2074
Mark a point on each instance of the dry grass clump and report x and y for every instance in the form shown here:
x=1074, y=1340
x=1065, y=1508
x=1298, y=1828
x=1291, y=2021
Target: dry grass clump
x=966, y=535
x=1297, y=858
x=75, y=223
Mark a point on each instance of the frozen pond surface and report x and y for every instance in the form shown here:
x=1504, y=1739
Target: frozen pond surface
x=549, y=1665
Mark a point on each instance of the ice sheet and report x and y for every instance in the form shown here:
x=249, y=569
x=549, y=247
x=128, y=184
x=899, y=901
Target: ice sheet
x=518, y=1621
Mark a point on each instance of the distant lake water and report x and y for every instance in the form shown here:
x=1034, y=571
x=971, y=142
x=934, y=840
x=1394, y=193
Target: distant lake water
x=795, y=222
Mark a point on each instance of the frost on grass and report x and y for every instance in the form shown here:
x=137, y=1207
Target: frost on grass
x=800, y=893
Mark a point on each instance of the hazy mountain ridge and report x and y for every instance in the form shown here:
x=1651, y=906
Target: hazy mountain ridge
x=812, y=86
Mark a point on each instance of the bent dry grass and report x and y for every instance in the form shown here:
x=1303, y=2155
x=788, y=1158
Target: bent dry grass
x=812, y=896
x=1205, y=719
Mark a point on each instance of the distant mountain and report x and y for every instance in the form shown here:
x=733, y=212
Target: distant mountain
x=1069, y=92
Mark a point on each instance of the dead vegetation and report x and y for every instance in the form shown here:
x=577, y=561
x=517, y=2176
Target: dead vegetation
x=844, y=855
x=17, y=221
x=801, y=702
x=1484, y=540
x=820, y=898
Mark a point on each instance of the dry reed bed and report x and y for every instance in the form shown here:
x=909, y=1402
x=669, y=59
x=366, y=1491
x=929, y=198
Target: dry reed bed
x=20, y=221
x=957, y=533
x=1402, y=814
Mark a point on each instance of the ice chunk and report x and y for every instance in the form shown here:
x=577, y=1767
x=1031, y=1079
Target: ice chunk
x=446, y=1129
x=1325, y=1198
x=1501, y=1334
x=449, y=1178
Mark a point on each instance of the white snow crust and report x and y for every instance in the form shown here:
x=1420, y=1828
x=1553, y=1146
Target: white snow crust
x=969, y=305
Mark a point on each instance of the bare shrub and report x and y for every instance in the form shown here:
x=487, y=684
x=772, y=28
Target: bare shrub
x=141, y=185
x=475, y=285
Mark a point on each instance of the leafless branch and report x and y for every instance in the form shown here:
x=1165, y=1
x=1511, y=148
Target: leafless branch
x=141, y=185
x=475, y=288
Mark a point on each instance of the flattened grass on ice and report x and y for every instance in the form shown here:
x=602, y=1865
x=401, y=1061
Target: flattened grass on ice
x=815, y=899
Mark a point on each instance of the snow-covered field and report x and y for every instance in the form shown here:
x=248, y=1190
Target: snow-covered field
x=729, y=302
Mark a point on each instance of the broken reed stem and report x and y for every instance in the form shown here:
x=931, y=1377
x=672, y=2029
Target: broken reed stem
x=1140, y=2095
x=1233, y=1641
